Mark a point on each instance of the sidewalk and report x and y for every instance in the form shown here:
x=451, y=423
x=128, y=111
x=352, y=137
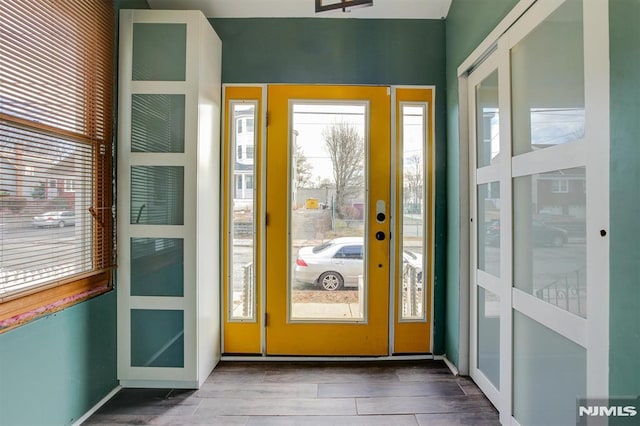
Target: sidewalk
x=330, y=311
x=327, y=311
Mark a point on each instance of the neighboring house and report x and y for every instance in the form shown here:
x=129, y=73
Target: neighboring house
x=38, y=180
x=243, y=168
x=561, y=193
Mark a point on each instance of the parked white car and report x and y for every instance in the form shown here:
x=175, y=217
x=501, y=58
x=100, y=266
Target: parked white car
x=57, y=218
x=339, y=262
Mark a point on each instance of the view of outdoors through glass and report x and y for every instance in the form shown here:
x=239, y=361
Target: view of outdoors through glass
x=549, y=237
x=243, y=231
x=412, y=299
x=45, y=195
x=328, y=211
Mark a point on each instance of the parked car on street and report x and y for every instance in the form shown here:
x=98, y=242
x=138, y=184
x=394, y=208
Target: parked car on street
x=338, y=263
x=55, y=218
x=542, y=234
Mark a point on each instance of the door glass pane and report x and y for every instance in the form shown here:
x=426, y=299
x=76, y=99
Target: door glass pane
x=547, y=82
x=242, y=293
x=549, y=374
x=157, y=338
x=489, y=335
x=157, y=123
x=549, y=237
x=157, y=195
x=157, y=267
x=159, y=52
x=328, y=203
x=413, y=296
x=489, y=228
x=487, y=120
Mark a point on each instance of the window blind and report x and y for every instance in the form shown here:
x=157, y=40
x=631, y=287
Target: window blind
x=56, y=83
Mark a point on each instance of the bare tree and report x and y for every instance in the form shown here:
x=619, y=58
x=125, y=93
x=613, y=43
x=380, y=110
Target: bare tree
x=346, y=150
x=303, y=168
x=413, y=180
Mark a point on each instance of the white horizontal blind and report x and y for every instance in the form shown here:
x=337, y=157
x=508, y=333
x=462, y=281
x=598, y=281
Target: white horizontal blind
x=46, y=185
x=56, y=83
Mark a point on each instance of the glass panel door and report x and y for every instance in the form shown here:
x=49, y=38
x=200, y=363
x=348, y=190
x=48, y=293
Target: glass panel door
x=328, y=196
x=489, y=230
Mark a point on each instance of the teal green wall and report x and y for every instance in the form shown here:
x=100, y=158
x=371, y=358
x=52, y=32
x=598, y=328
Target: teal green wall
x=54, y=369
x=337, y=51
x=348, y=51
x=467, y=24
x=624, y=305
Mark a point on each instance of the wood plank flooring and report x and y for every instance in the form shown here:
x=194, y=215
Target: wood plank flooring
x=385, y=393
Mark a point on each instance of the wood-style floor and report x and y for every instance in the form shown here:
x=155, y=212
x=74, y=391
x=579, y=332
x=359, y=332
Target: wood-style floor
x=385, y=393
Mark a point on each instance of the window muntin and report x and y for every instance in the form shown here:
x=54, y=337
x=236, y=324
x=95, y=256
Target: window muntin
x=560, y=186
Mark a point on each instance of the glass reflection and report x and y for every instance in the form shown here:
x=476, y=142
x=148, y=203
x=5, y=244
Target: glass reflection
x=550, y=238
x=489, y=335
x=549, y=373
x=157, y=123
x=487, y=120
x=159, y=52
x=157, y=338
x=489, y=228
x=157, y=195
x=157, y=267
x=547, y=77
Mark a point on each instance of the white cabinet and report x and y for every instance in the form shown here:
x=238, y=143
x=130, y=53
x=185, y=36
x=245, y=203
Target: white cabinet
x=168, y=183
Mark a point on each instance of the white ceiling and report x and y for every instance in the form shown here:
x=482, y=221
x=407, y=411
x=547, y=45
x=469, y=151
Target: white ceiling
x=381, y=9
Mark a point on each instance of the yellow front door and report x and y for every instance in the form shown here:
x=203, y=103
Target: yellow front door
x=328, y=183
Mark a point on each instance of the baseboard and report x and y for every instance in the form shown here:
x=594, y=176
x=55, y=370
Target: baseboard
x=261, y=358
x=96, y=407
x=452, y=367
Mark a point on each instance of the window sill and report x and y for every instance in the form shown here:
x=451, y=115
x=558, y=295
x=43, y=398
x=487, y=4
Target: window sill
x=19, y=311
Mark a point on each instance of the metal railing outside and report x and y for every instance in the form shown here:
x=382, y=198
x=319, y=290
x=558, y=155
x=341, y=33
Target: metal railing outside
x=412, y=292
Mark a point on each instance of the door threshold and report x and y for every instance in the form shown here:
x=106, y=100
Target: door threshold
x=268, y=358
